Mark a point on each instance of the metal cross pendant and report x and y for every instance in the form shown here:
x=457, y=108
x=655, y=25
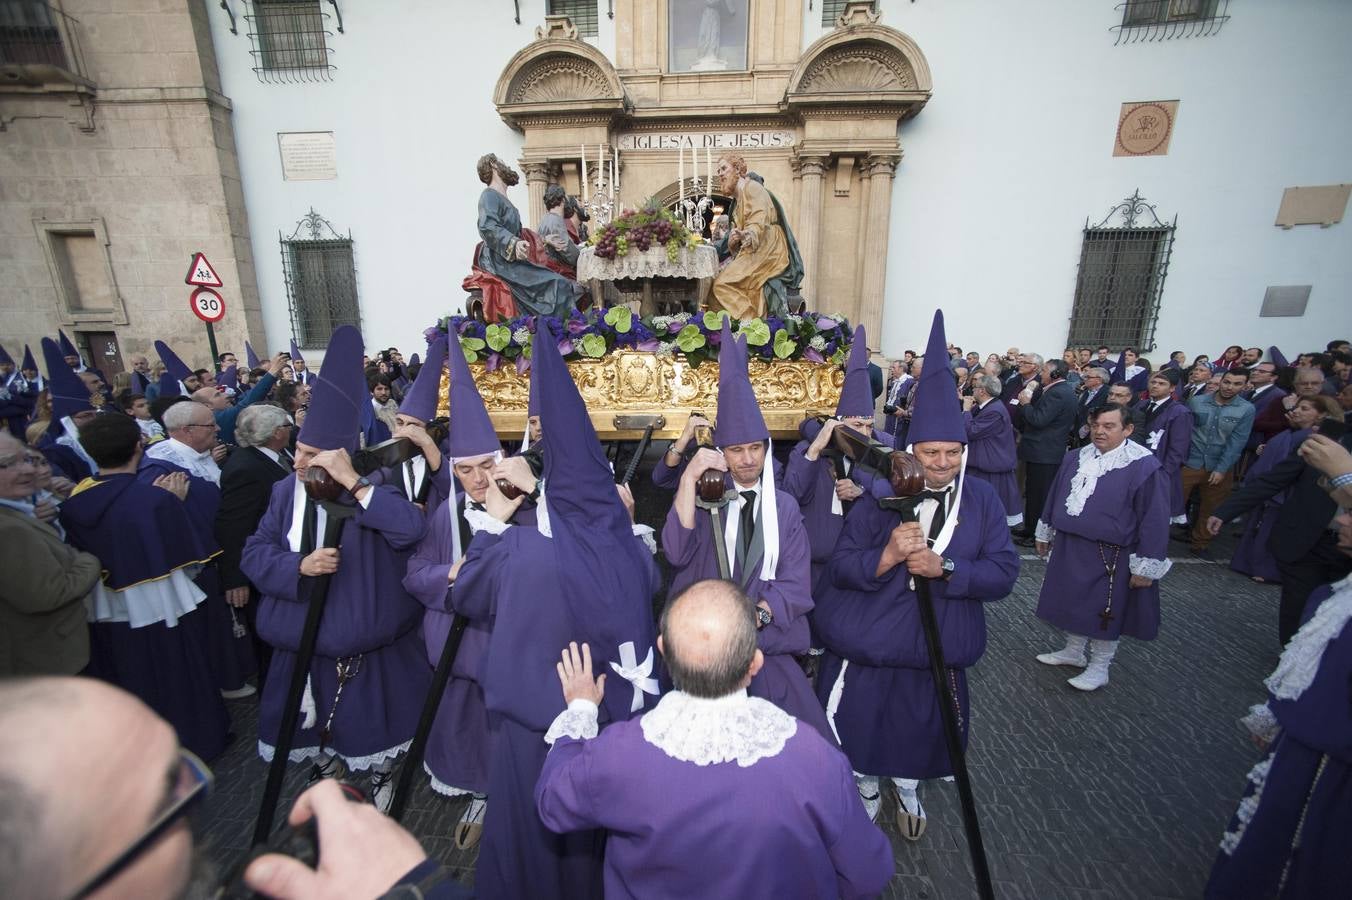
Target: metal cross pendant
x=1105, y=617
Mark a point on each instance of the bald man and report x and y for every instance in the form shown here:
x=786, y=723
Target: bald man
x=712, y=792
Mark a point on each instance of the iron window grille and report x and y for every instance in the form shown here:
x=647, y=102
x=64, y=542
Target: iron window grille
x=321, y=280
x=1121, y=278
x=1161, y=20
x=289, y=40
x=831, y=10
x=582, y=13
x=35, y=36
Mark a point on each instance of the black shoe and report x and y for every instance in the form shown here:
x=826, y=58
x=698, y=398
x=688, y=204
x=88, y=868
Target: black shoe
x=1025, y=541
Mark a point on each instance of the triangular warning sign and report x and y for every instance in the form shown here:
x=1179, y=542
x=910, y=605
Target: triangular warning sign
x=201, y=274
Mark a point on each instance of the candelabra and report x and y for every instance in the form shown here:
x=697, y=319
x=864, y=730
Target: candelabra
x=691, y=209
x=602, y=205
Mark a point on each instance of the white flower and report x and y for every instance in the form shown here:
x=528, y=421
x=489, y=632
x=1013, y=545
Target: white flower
x=817, y=343
x=521, y=336
x=660, y=323
x=681, y=317
x=666, y=348
x=796, y=320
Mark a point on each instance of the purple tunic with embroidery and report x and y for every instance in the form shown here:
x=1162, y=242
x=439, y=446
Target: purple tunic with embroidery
x=511, y=582
x=672, y=824
x=1169, y=436
x=1298, y=830
x=1124, y=524
x=693, y=558
x=888, y=713
x=1252, y=556
x=458, y=747
x=368, y=614
x=991, y=455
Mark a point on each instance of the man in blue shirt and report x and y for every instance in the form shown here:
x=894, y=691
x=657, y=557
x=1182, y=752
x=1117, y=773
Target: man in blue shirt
x=1221, y=425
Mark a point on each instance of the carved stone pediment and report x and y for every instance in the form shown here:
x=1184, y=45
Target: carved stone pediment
x=861, y=63
x=557, y=76
x=858, y=67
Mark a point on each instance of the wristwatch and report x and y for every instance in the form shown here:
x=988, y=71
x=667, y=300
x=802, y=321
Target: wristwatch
x=360, y=483
x=949, y=568
x=763, y=617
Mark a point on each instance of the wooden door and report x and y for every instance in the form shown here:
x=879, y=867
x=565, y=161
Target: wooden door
x=102, y=352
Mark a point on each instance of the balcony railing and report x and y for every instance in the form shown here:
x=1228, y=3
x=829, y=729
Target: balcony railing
x=43, y=54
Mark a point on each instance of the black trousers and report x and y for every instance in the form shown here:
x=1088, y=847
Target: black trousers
x=1324, y=563
x=1037, y=484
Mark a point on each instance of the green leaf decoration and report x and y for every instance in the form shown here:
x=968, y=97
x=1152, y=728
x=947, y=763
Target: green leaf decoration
x=713, y=319
x=757, y=333
x=784, y=345
x=471, y=347
x=621, y=318
x=593, y=345
x=499, y=336
x=690, y=338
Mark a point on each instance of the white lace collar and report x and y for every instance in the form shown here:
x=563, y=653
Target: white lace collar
x=200, y=464
x=706, y=732
x=1094, y=465
x=1300, y=660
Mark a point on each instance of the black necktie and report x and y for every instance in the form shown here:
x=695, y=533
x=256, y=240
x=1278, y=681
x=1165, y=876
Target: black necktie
x=940, y=512
x=748, y=519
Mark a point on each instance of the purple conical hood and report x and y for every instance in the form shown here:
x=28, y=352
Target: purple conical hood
x=336, y=394
x=295, y=352
x=67, y=348
x=856, y=395
x=250, y=356
x=173, y=366
x=68, y=392
x=1119, y=374
x=937, y=415
x=533, y=396
x=739, y=416
x=1278, y=358
x=28, y=362
x=421, y=400
x=471, y=431
x=228, y=377
x=5, y=358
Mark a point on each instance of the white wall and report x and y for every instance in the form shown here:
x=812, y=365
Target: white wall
x=1001, y=169
x=1013, y=152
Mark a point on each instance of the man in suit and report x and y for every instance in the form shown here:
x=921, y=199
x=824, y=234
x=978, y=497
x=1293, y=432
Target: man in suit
x=897, y=380
x=1092, y=398
x=264, y=433
x=1199, y=379
x=1304, y=540
x=1046, y=419
x=1025, y=374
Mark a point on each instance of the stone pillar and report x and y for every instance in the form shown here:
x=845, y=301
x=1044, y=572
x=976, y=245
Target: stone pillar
x=877, y=221
x=810, y=169
x=537, y=179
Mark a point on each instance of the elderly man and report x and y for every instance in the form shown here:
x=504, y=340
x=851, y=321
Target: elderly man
x=991, y=455
x=1092, y=397
x=1107, y=521
x=1309, y=382
x=897, y=380
x=1027, y=368
x=42, y=612
x=765, y=542
x=651, y=782
x=760, y=251
x=1199, y=382
x=1221, y=425
x=1046, y=419
x=140, y=373
x=264, y=434
x=875, y=679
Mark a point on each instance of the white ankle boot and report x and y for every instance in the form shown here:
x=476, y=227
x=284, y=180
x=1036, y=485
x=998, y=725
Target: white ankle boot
x=870, y=794
x=1095, y=674
x=1070, y=655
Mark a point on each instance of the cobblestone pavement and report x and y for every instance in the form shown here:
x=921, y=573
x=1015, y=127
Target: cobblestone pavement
x=1119, y=793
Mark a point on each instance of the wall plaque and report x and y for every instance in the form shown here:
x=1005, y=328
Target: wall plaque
x=308, y=155
x=1144, y=129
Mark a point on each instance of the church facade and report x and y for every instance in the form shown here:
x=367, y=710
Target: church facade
x=1169, y=174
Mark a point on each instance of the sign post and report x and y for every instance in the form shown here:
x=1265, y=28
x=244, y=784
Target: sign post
x=205, y=302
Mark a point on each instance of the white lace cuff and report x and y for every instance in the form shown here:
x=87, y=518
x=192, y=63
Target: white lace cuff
x=1261, y=723
x=578, y=722
x=1154, y=569
x=478, y=521
x=645, y=534
x=1044, y=532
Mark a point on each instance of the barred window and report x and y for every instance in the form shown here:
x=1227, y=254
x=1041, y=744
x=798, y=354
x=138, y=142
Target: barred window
x=289, y=36
x=581, y=12
x=831, y=10
x=1121, y=278
x=1155, y=20
x=321, y=281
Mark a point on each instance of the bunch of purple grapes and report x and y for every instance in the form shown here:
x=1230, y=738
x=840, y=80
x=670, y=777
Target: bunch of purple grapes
x=608, y=245
x=662, y=230
x=642, y=236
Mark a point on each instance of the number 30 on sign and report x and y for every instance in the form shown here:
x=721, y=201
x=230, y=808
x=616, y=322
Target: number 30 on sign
x=207, y=305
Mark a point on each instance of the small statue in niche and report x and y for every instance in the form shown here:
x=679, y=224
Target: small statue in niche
x=710, y=43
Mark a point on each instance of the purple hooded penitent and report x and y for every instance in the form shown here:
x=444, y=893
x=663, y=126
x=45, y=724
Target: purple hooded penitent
x=5, y=358
x=937, y=415
x=175, y=371
x=295, y=352
x=69, y=394
x=421, y=400
x=228, y=377
x=29, y=364
x=471, y=431
x=336, y=395
x=856, y=396
x=250, y=356
x=739, y=416
x=67, y=347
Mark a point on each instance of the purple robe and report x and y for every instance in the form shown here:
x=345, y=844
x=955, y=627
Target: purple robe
x=693, y=558
x=433, y=487
x=1169, y=435
x=531, y=622
x=457, y=756
x=1299, y=832
x=888, y=714
x=1125, y=522
x=991, y=455
x=671, y=822
x=368, y=614
x=1251, y=555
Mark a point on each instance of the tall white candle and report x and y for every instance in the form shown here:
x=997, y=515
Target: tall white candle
x=583, y=147
x=600, y=172
x=708, y=174
x=615, y=185
x=680, y=170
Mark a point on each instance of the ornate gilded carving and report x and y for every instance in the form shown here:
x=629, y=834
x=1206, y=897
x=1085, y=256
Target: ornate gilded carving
x=553, y=79
x=859, y=68
x=631, y=381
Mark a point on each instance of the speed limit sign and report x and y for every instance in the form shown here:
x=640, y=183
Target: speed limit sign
x=207, y=305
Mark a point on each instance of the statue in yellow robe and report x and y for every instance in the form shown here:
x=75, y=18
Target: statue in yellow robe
x=756, y=240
